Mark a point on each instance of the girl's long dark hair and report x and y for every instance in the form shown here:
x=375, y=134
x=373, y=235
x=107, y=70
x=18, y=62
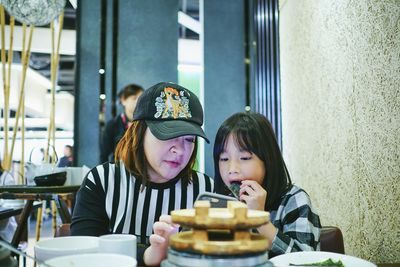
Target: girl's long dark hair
x=254, y=133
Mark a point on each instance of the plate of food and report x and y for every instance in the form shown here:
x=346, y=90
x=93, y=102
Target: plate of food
x=319, y=258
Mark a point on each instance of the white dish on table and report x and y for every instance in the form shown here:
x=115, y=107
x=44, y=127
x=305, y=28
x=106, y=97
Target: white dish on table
x=46, y=249
x=13, y=203
x=92, y=260
x=123, y=244
x=306, y=257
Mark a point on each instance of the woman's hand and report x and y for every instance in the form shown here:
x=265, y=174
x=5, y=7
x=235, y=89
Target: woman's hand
x=253, y=194
x=159, y=241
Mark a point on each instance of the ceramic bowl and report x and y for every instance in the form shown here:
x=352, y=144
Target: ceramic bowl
x=46, y=249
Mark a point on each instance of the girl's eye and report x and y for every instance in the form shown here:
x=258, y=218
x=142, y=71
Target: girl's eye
x=246, y=158
x=223, y=159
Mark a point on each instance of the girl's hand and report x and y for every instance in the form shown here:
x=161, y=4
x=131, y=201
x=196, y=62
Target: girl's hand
x=159, y=241
x=253, y=194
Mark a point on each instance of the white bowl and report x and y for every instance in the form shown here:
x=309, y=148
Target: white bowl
x=92, y=260
x=67, y=245
x=305, y=257
x=13, y=203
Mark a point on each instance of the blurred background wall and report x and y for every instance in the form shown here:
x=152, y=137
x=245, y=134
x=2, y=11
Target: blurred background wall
x=340, y=74
x=120, y=42
x=126, y=41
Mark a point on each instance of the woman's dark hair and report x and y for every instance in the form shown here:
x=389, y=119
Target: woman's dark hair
x=254, y=133
x=130, y=150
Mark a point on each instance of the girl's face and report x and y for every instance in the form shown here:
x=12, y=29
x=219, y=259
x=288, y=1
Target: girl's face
x=167, y=158
x=236, y=165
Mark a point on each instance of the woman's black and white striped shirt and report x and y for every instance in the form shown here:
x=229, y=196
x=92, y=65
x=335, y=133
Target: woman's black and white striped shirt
x=110, y=200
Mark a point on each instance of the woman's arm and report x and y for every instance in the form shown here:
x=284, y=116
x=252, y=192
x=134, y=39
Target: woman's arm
x=89, y=216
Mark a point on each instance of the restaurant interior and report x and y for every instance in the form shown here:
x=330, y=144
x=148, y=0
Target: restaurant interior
x=326, y=74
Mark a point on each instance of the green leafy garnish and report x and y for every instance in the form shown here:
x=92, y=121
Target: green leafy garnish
x=235, y=188
x=329, y=262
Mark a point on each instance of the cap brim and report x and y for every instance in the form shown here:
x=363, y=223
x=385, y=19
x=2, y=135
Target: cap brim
x=169, y=129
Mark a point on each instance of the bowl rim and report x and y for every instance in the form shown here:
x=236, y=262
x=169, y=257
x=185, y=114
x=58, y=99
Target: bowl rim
x=40, y=244
x=94, y=256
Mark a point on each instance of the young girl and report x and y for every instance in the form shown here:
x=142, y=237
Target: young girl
x=246, y=154
x=152, y=175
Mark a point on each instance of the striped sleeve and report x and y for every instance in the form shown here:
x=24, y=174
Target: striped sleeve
x=89, y=216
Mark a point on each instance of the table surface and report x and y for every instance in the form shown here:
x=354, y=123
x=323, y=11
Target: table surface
x=38, y=189
x=31, y=193
x=7, y=212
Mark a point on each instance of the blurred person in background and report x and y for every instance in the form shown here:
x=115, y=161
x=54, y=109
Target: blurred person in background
x=67, y=159
x=116, y=127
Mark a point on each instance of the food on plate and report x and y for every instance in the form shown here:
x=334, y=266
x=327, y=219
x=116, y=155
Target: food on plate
x=329, y=262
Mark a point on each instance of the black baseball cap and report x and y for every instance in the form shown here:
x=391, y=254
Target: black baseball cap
x=170, y=111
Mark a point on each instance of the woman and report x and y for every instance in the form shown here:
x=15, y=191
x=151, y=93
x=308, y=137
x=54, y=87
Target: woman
x=153, y=172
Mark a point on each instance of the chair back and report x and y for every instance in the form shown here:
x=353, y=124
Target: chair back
x=332, y=239
x=63, y=230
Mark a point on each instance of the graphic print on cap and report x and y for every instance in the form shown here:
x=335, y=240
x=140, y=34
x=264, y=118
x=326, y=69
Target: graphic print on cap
x=172, y=104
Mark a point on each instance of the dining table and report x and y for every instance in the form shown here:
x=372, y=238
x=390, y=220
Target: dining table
x=32, y=193
x=10, y=211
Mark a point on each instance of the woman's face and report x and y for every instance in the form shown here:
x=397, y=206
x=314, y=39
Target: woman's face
x=167, y=158
x=236, y=165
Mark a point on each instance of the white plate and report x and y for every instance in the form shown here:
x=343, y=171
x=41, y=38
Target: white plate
x=316, y=256
x=92, y=260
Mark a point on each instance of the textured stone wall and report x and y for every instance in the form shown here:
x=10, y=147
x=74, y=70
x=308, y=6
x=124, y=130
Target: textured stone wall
x=340, y=72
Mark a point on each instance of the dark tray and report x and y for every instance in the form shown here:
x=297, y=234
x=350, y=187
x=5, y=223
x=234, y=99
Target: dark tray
x=34, y=189
x=51, y=179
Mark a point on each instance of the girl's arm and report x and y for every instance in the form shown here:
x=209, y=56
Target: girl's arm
x=298, y=227
x=295, y=226
x=269, y=231
x=254, y=195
